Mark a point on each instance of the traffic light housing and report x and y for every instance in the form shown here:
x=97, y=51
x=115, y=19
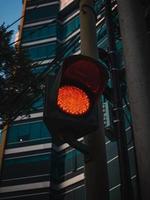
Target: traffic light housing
x=71, y=102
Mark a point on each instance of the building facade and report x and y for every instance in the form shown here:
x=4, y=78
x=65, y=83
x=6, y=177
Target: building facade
x=34, y=165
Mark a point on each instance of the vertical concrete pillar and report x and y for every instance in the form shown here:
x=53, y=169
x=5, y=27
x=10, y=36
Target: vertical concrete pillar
x=96, y=178
x=137, y=60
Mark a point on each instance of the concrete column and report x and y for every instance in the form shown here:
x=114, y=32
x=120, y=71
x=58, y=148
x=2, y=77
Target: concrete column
x=96, y=178
x=137, y=60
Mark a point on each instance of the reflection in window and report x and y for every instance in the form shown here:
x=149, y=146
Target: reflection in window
x=68, y=28
x=39, y=32
x=70, y=162
x=39, y=69
x=42, y=13
x=27, y=132
x=43, y=51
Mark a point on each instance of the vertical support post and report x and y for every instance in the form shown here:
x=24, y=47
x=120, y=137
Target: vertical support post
x=21, y=24
x=136, y=52
x=96, y=177
x=119, y=127
x=2, y=145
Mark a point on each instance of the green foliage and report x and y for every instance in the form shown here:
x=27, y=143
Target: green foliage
x=17, y=83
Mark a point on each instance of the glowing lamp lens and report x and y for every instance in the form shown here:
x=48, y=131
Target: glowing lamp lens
x=73, y=100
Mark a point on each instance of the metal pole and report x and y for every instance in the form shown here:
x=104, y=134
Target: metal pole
x=119, y=127
x=136, y=52
x=96, y=177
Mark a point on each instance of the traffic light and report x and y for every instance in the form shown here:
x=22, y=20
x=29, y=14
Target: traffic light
x=71, y=103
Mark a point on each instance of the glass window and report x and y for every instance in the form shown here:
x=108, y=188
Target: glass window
x=115, y=194
x=38, y=104
x=79, y=193
x=39, y=69
x=71, y=47
x=132, y=162
x=80, y=159
x=114, y=173
x=23, y=133
x=12, y=135
x=42, y=13
x=69, y=27
x=27, y=166
x=76, y=194
x=26, y=132
x=39, y=32
x=43, y=51
x=98, y=5
x=111, y=150
x=35, y=130
x=119, y=53
x=68, y=196
x=70, y=162
x=101, y=32
x=28, y=159
x=36, y=2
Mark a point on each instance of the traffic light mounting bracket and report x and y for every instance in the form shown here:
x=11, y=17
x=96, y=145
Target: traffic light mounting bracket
x=83, y=148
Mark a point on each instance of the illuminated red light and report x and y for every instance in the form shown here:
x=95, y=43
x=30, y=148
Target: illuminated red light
x=73, y=100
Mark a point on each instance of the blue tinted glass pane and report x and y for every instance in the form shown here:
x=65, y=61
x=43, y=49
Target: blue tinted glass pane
x=114, y=173
x=39, y=69
x=70, y=27
x=111, y=150
x=40, y=32
x=50, y=49
x=23, y=129
x=71, y=161
x=41, y=13
x=23, y=132
x=80, y=159
x=18, y=133
x=12, y=135
x=27, y=132
x=115, y=194
x=35, y=129
x=42, y=51
x=36, y=2
x=44, y=132
x=101, y=33
x=32, y=53
x=132, y=161
x=28, y=159
x=38, y=104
